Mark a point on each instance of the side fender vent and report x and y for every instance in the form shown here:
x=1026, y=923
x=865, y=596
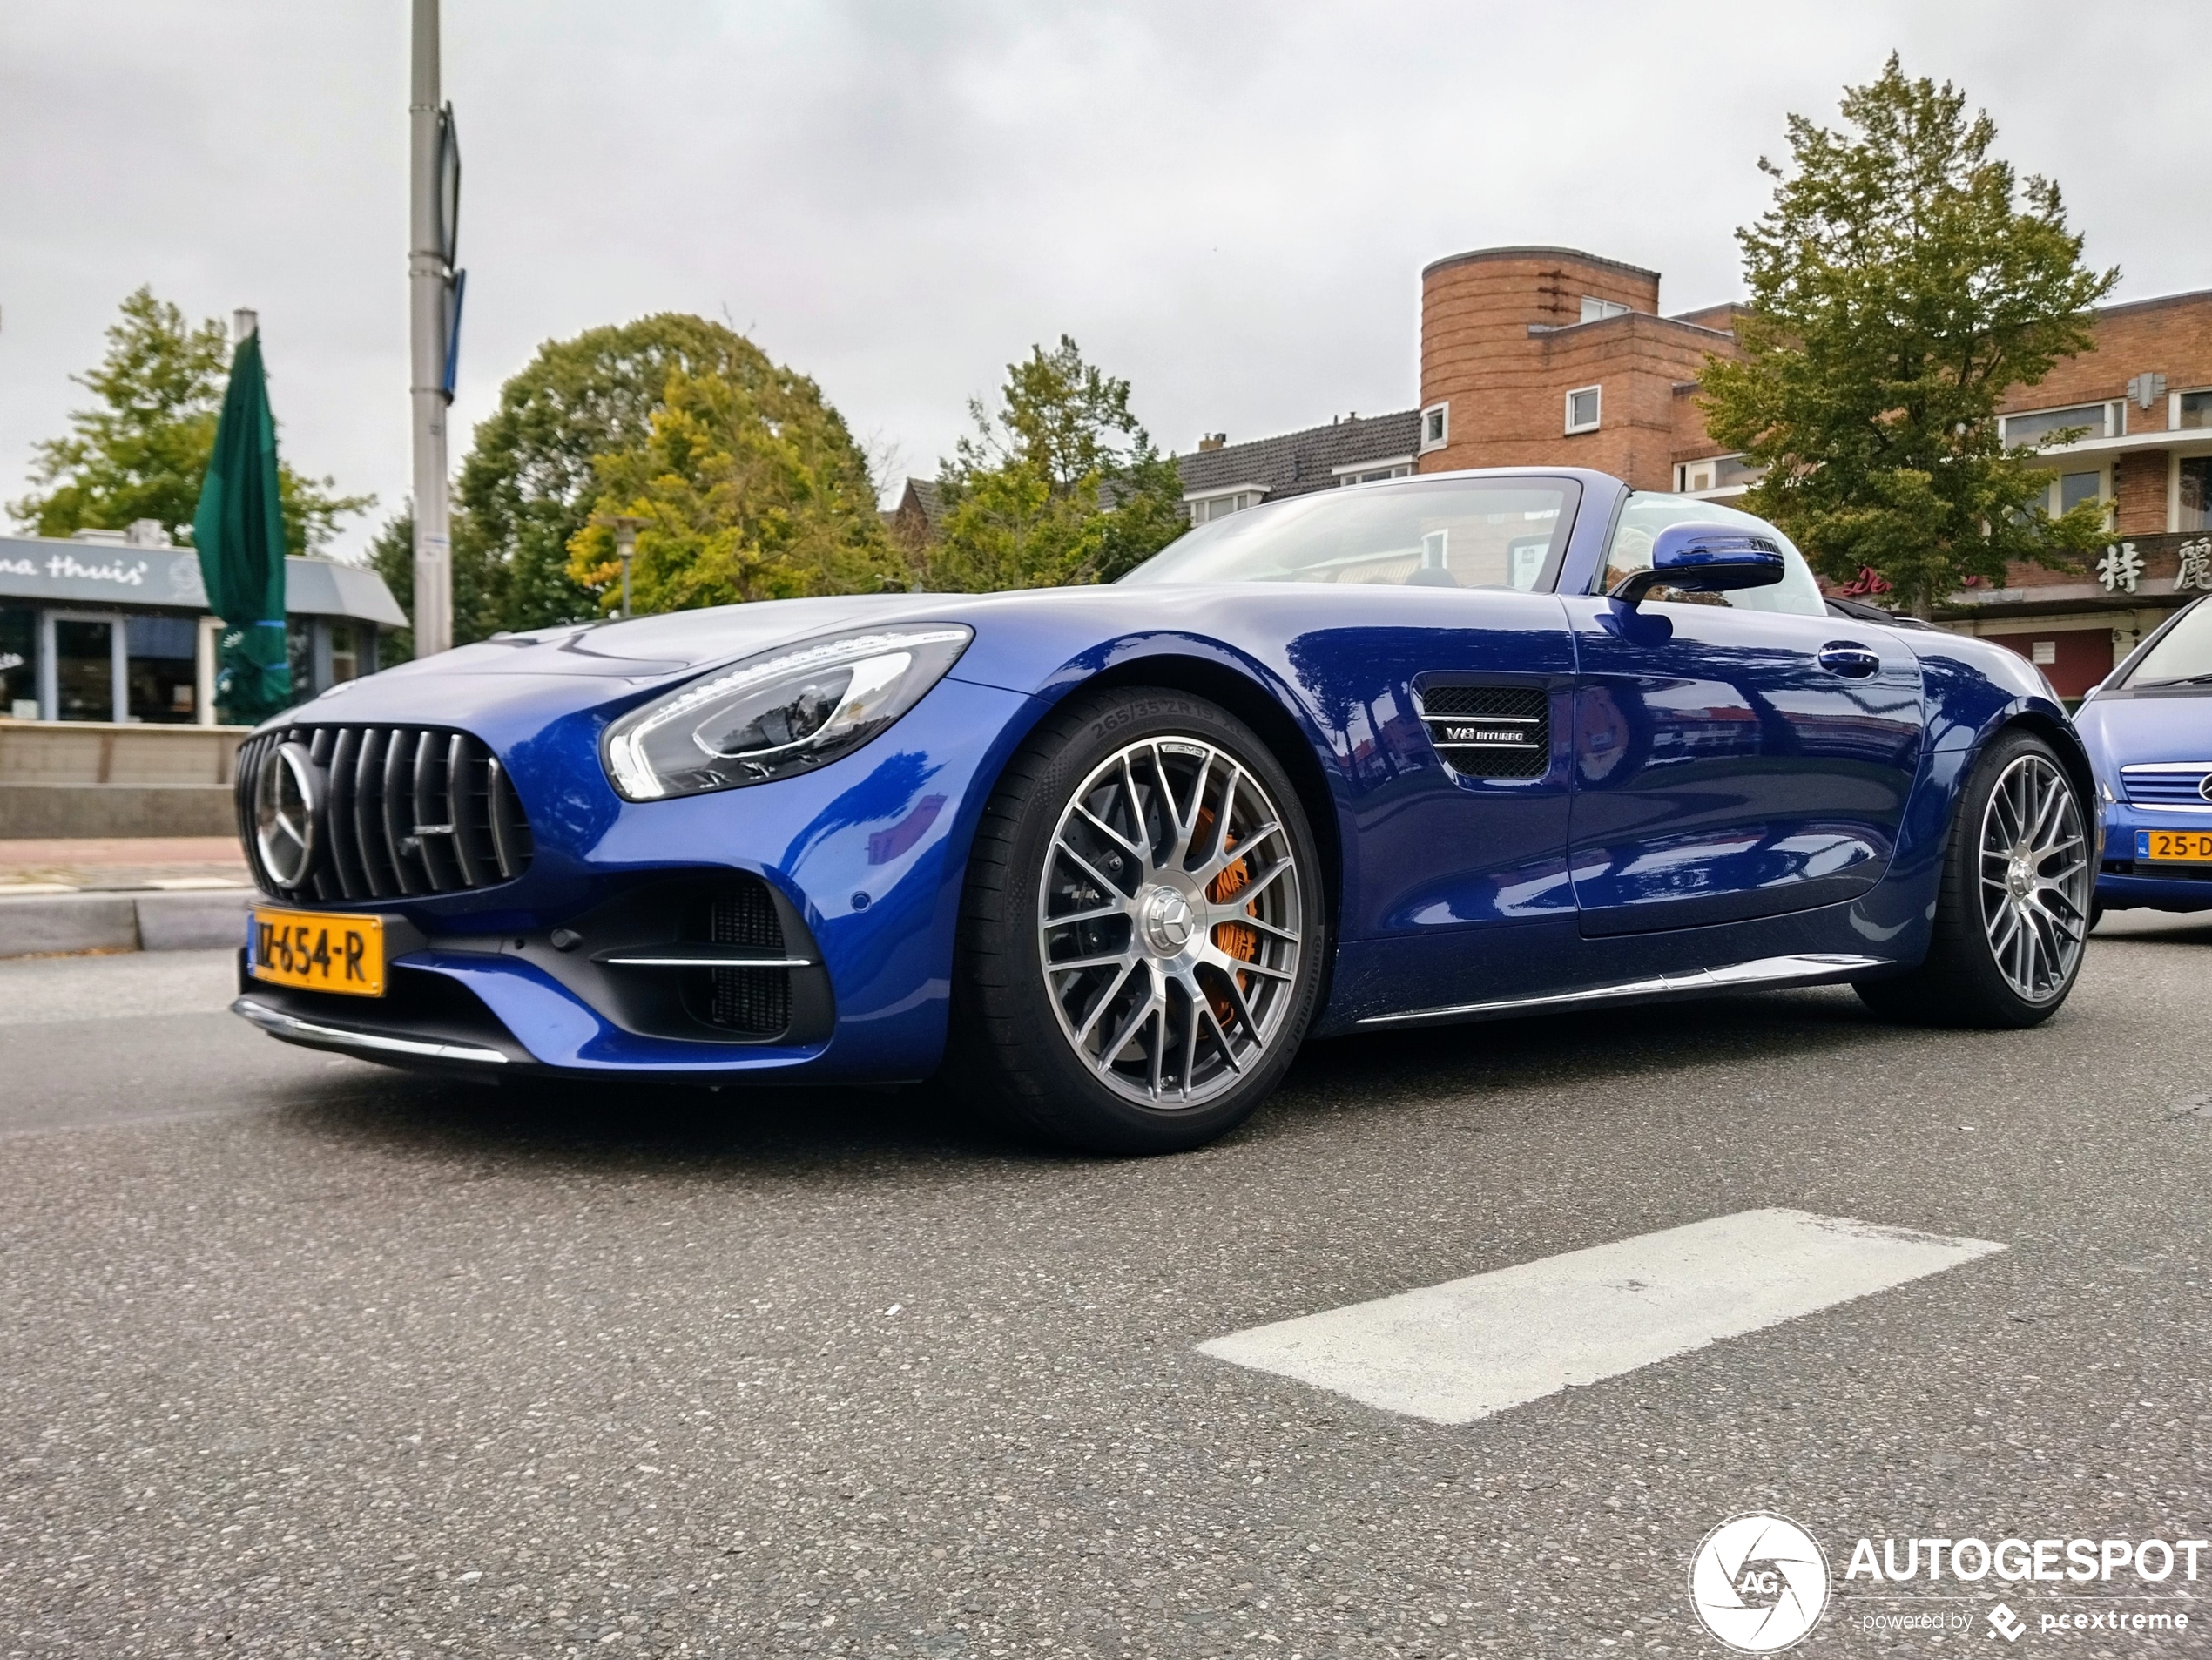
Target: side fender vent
x=1489, y=732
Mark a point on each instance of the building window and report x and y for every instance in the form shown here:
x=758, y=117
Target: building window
x=2036, y=429
x=1596, y=310
x=2192, y=409
x=1436, y=427
x=161, y=669
x=1204, y=509
x=84, y=668
x=2194, y=507
x=1582, y=408
x=1714, y=473
x=2067, y=491
x=1370, y=472
x=19, y=662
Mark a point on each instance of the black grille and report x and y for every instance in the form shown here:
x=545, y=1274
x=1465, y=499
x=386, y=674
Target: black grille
x=405, y=811
x=1490, y=731
x=753, y=1001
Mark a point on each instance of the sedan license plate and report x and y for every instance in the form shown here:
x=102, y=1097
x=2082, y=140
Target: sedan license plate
x=2173, y=847
x=319, y=952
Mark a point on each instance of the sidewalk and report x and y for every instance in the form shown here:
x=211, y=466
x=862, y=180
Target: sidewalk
x=170, y=864
x=122, y=894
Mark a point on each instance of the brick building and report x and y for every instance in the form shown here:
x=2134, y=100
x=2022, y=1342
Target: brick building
x=1551, y=357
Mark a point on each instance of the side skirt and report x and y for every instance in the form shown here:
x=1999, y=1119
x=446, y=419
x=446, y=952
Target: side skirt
x=1810, y=969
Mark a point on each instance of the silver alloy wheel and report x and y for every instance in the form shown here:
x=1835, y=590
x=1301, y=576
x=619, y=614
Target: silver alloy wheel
x=2035, y=878
x=1169, y=921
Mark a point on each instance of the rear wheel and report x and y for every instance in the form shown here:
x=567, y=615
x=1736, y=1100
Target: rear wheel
x=1141, y=932
x=2014, y=910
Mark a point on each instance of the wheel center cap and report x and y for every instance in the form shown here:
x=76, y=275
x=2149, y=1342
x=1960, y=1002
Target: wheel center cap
x=1165, y=917
x=2020, y=878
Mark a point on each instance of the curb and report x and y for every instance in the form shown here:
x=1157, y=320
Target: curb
x=51, y=924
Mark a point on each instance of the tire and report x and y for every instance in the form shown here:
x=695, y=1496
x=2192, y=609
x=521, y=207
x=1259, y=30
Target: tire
x=2013, y=915
x=1182, y=972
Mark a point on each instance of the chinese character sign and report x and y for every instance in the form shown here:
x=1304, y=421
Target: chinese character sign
x=2121, y=568
x=2196, y=566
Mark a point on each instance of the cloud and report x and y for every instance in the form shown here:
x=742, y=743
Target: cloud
x=1229, y=205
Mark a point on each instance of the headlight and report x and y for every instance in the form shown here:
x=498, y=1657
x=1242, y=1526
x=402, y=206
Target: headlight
x=771, y=717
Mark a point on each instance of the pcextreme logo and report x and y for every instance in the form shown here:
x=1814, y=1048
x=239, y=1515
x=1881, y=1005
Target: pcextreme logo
x=1759, y=1583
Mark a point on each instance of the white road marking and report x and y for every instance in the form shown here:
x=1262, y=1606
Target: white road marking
x=1455, y=1352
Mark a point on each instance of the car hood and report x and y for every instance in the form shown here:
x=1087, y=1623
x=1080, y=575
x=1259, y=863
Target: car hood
x=649, y=647
x=549, y=671
x=2128, y=730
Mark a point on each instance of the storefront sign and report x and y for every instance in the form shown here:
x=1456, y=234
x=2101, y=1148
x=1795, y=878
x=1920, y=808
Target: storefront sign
x=156, y=577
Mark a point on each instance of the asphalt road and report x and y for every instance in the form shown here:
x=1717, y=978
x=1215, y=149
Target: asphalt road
x=300, y=1356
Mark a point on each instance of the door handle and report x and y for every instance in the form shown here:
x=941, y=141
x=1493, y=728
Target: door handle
x=1853, y=662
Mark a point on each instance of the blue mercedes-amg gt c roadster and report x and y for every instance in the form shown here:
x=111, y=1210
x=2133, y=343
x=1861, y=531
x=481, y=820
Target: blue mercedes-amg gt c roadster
x=1446, y=748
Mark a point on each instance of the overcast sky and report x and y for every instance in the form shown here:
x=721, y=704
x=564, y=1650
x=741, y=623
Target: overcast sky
x=1229, y=203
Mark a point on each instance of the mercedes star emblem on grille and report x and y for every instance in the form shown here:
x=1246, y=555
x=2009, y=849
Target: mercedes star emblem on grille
x=285, y=802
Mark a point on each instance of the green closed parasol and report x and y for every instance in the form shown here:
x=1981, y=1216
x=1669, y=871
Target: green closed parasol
x=239, y=529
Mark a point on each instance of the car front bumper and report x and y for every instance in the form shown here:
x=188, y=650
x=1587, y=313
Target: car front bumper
x=2124, y=885
x=864, y=860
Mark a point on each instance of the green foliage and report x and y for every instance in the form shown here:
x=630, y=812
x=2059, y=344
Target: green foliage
x=747, y=488
x=391, y=555
x=1061, y=485
x=565, y=425
x=140, y=452
x=1903, y=282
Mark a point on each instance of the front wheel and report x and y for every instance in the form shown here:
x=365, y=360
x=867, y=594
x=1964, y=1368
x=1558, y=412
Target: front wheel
x=1141, y=927
x=2015, y=907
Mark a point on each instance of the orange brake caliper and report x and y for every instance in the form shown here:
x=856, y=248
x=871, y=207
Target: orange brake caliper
x=1233, y=939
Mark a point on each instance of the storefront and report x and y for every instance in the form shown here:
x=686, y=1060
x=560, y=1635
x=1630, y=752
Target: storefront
x=96, y=629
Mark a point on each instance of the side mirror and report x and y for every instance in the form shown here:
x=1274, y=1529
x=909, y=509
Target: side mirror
x=1705, y=559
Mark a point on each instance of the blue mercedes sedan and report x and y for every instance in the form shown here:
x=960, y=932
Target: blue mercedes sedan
x=2148, y=729
x=1450, y=748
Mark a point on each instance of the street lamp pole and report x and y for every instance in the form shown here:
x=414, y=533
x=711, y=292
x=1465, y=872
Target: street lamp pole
x=625, y=525
x=426, y=279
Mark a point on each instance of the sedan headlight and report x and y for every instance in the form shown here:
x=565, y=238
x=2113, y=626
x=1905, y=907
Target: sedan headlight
x=774, y=716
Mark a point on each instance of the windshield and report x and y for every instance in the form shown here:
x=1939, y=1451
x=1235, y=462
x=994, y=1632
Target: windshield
x=2182, y=655
x=1456, y=533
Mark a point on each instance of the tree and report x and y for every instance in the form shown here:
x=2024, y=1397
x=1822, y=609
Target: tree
x=532, y=479
x=391, y=555
x=141, y=451
x=748, y=488
x=1903, y=282
x=1061, y=485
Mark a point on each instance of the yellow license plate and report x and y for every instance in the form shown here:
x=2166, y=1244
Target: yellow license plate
x=2173, y=847
x=319, y=952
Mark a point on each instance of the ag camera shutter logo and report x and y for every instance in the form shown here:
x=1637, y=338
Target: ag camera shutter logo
x=1759, y=1583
